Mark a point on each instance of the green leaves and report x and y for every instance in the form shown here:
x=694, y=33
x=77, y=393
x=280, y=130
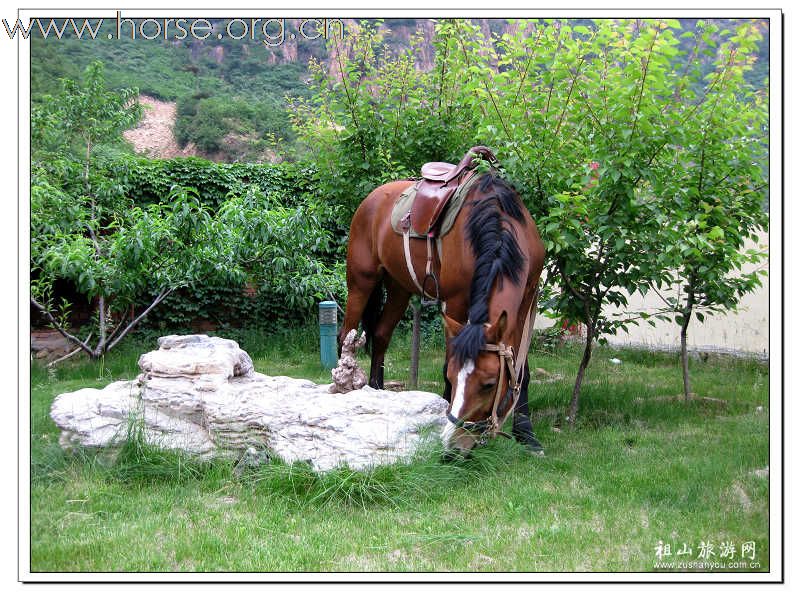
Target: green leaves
x=128, y=233
x=614, y=135
x=710, y=188
x=716, y=233
x=638, y=148
x=385, y=117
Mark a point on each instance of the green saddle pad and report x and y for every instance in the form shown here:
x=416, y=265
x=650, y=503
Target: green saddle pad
x=404, y=203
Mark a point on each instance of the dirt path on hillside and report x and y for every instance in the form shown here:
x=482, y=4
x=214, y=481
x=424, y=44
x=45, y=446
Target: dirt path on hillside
x=154, y=135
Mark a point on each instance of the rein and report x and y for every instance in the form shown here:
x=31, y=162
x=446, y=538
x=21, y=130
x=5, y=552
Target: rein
x=492, y=426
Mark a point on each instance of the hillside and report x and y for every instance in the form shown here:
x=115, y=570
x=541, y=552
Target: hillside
x=230, y=96
x=154, y=136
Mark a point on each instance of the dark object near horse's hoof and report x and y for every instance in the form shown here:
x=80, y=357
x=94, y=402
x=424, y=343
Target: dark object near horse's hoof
x=535, y=449
x=531, y=444
x=523, y=433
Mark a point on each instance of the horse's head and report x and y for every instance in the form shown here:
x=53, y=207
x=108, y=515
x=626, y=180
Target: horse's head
x=480, y=379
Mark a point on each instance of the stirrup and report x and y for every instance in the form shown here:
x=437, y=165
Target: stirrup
x=433, y=300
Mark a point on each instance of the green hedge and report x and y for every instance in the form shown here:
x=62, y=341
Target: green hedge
x=148, y=181
x=225, y=307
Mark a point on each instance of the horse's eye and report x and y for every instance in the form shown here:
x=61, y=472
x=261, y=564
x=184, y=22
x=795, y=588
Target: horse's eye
x=488, y=386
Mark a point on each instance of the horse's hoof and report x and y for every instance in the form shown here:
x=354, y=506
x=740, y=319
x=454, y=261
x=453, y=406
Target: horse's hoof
x=532, y=446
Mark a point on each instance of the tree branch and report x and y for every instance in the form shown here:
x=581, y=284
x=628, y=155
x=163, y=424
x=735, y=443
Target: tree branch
x=466, y=60
x=439, y=100
x=552, y=81
x=52, y=363
x=568, y=281
x=136, y=321
x=566, y=103
x=400, y=102
x=121, y=323
x=101, y=309
x=685, y=117
x=658, y=293
x=351, y=106
x=677, y=93
x=52, y=320
x=527, y=66
x=644, y=79
x=600, y=127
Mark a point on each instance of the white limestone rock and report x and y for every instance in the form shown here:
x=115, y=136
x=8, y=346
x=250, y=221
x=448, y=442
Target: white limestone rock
x=201, y=395
x=347, y=375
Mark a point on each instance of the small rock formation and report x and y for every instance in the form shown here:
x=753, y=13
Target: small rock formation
x=201, y=395
x=48, y=344
x=540, y=375
x=347, y=375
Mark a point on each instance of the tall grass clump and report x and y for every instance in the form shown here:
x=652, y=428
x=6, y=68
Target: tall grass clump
x=137, y=462
x=425, y=476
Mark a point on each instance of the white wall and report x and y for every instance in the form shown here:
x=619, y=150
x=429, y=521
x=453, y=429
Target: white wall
x=745, y=331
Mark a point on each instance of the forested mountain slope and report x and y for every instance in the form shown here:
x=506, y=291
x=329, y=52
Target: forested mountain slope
x=231, y=95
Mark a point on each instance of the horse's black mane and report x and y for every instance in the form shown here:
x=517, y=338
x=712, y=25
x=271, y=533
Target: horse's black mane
x=497, y=254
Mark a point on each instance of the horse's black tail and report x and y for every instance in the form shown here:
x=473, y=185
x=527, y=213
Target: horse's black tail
x=372, y=312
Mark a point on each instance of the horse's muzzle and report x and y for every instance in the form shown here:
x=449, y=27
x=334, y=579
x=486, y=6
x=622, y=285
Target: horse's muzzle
x=457, y=441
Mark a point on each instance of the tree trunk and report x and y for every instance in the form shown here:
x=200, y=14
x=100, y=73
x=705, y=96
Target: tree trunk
x=413, y=371
x=687, y=386
x=576, y=391
x=101, y=344
x=687, y=316
x=86, y=168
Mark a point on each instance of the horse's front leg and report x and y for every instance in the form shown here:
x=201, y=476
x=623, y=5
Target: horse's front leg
x=522, y=428
x=448, y=388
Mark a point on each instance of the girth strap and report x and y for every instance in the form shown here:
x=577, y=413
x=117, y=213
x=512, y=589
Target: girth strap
x=429, y=274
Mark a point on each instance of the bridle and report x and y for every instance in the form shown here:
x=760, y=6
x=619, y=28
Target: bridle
x=492, y=426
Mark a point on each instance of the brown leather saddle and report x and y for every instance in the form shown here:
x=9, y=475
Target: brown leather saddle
x=438, y=185
x=439, y=182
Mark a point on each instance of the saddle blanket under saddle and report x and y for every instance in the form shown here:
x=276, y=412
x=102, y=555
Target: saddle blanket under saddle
x=402, y=207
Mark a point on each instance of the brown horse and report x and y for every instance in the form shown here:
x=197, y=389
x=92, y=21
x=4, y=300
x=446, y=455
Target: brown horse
x=488, y=275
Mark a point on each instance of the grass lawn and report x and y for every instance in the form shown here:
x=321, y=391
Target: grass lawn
x=641, y=467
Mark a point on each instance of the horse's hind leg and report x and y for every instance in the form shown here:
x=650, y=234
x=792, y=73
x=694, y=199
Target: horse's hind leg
x=396, y=303
x=357, y=299
x=363, y=277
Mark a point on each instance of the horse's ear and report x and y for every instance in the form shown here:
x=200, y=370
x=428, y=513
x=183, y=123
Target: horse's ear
x=495, y=332
x=451, y=327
